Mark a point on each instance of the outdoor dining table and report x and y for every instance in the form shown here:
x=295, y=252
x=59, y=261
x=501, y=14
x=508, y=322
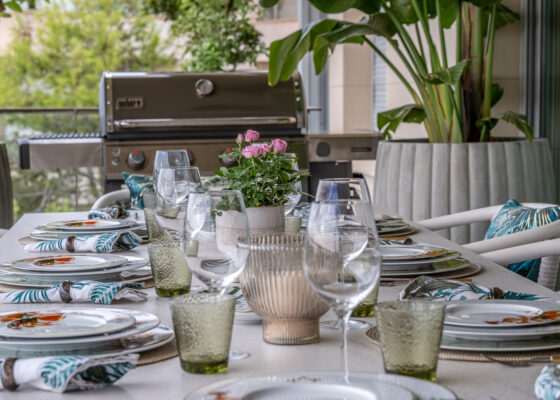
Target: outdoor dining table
x=166, y=380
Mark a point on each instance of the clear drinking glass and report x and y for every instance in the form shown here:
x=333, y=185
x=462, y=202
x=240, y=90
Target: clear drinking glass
x=173, y=189
x=203, y=324
x=410, y=335
x=293, y=199
x=171, y=275
x=169, y=158
x=155, y=230
x=215, y=221
x=366, y=308
x=349, y=189
x=336, y=236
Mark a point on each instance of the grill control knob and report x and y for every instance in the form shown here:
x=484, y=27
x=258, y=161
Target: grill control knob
x=228, y=161
x=136, y=160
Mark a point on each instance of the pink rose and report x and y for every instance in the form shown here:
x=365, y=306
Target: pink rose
x=279, y=145
x=251, y=151
x=239, y=138
x=265, y=148
x=252, y=135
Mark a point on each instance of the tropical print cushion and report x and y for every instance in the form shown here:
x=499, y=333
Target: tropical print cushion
x=138, y=185
x=514, y=217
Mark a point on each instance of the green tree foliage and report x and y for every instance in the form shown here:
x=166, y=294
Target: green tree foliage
x=55, y=60
x=217, y=35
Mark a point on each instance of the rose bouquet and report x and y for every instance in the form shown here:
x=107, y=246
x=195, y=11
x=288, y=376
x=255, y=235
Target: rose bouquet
x=264, y=173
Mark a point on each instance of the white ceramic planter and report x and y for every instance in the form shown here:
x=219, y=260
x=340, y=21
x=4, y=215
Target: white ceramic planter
x=266, y=219
x=420, y=180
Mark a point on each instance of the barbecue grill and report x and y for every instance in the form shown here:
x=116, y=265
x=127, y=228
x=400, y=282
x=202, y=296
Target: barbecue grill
x=141, y=113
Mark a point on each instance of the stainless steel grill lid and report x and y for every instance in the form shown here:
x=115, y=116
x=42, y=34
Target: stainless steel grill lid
x=134, y=105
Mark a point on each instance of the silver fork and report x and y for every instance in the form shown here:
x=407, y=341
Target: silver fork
x=522, y=363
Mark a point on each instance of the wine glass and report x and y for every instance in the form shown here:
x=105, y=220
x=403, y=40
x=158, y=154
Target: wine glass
x=338, y=263
x=173, y=188
x=169, y=158
x=333, y=189
x=215, y=221
x=294, y=198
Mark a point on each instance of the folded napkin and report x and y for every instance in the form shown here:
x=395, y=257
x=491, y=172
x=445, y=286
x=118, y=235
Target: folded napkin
x=64, y=373
x=111, y=212
x=76, y=292
x=103, y=243
x=547, y=385
x=447, y=290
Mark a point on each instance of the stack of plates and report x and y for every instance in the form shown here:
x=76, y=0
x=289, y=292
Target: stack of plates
x=49, y=270
x=407, y=261
x=77, y=227
x=392, y=226
x=80, y=331
x=501, y=325
x=325, y=385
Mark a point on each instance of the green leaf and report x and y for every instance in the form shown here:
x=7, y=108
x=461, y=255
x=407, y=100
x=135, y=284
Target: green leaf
x=268, y=3
x=489, y=123
x=339, y=6
x=448, y=76
x=448, y=14
x=496, y=95
x=483, y=3
x=286, y=53
x=520, y=121
x=505, y=16
x=13, y=5
x=403, y=11
x=389, y=120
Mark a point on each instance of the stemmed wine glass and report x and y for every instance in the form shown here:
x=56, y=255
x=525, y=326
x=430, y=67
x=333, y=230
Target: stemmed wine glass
x=293, y=199
x=173, y=188
x=169, y=158
x=338, y=263
x=349, y=189
x=215, y=220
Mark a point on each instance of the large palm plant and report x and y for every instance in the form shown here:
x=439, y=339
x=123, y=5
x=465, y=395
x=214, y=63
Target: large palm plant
x=452, y=98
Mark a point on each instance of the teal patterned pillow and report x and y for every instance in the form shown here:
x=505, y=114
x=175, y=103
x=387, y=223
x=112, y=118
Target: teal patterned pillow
x=138, y=185
x=514, y=217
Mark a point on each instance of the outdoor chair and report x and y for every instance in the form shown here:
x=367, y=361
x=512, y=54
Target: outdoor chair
x=540, y=242
x=111, y=198
x=6, y=194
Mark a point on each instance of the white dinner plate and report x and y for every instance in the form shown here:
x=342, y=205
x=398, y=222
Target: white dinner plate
x=403, y=264
x=65, y=323
x=501, y=313
x=426, y=269
x=148, y=340
x=477, y=345
x=132, y=275
x=69, y=275
x=527, y=333
x=143, y=322
x=69, y=262
x=410, y=252
x=325, y=385
x=91, y=224
x=397, y=226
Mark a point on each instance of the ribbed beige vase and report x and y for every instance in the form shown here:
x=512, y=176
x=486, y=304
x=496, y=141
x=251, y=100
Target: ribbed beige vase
x=420, y=180
x=275, y=287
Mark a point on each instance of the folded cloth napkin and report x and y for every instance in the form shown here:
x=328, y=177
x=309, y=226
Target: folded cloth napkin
x=76, y=292
x=65, y=373
x=103, y=243
x=447, y=290
x=547, y=385
x=111, y=212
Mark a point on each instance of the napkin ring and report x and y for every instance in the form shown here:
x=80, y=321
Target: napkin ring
x=7, y=375
x=70, y=243
x=65, y=292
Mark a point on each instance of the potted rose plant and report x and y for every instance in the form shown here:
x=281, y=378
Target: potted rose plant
x=265, y=175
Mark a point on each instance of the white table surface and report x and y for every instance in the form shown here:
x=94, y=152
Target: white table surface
x=166, y=380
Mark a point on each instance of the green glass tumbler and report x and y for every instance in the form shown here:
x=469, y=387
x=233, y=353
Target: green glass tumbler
x=410, y=335
x=367, y=307
x=203, y=323
x=171, y=275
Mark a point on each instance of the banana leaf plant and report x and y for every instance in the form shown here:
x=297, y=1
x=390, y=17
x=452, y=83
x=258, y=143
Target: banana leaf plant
x=452, y=98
